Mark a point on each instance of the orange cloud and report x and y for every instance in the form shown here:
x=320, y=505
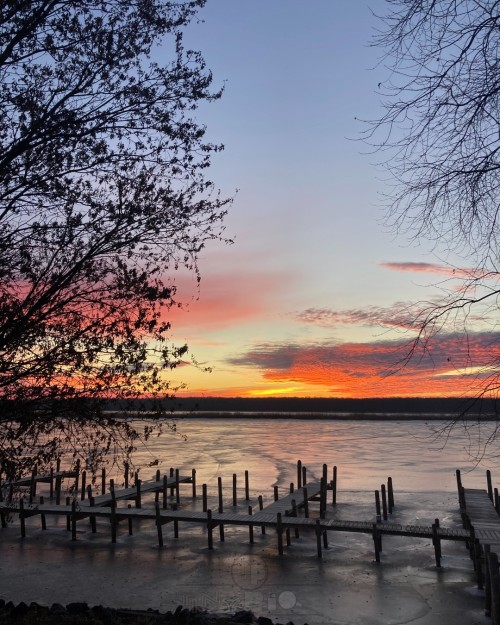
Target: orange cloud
x=449, y=366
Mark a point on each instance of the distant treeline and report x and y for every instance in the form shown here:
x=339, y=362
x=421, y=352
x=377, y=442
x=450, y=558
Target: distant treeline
x=392, y=405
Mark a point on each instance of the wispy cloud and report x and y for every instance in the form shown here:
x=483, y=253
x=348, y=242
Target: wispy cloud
x=434, y=268
x=399, y=315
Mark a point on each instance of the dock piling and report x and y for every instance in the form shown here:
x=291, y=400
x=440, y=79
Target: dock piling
x=306, y=502
x=384, y=502
x=334, y=486
x=235, y=498
x=193, y=482
x=204, y=496
x=299, y=473
x=247, y=487
x=390, y=494
x=488, y=484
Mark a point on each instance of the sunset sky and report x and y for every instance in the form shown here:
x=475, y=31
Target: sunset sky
x=306, y=300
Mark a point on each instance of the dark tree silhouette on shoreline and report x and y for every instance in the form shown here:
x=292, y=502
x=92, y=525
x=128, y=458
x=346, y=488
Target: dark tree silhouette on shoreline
x=103, y=196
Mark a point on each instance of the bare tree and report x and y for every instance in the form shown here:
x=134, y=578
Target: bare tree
x=103, y=195
x=440, y=137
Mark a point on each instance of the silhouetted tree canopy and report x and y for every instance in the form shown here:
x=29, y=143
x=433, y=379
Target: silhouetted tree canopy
x=103, y=195
x=440, y=140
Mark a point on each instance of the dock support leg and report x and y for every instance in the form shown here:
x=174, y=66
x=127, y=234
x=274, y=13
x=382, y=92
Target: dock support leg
x=235, y=497
x=261, y=507
x=250, y=527
x=384, y=502
x=21, y=517
x=210, y=530
x=204, y=496
x=436, y=541
x=299, y=473
x=488, y=484
x=377, y=506
x=306, y=502
x=334, y=486
x=495, y=588
x=487, y=581
x=193, y=481
x=318, y=538
x=390, y=494
x=376, y=542
x=158, y=525
x=73, y=519
x=279, y=530
x=247, y=486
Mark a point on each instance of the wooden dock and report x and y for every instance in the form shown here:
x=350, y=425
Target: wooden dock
x=281, y=516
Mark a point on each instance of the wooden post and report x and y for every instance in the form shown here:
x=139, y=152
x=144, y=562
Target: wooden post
x=113, y=523
x=42, y=515
x=261, y=507
x=172, y=487
x=322, y=497
x=130, y=523
x=304, y=476
x=318, y=537
x=384, y=502
x=93, y=524
x=487, y=581
x=294, y=513
x=334, y=486
x=68, y=516
x=488, y=483
x=33, y=484
x=112, y=491
x=84, y=480
x=177, y=487
x=138, y=500
x=279, y=530
x=204, y=496
x=77, y=477
x=479, y=565
x=276, y=494
x=376, y=542
x=235, y=498
x=390, y=495
x=165, y=492
x=219, y=490
x=73, y=519
x=103, y=480
x=306, y=502
x=157, y=475
x=291, y=487
x=51, y=483
x=58, y=489
x=247, y=487
x=459, y=487
x=158, y=525
x=21, y=517
x=221, y=508
x=125, y=474
x=377, y=506
x=193, y=482
x=495, y=588
x=210, y=530
x=325, y=539
x=250, y=527
x=299, y=473
x=436, y=541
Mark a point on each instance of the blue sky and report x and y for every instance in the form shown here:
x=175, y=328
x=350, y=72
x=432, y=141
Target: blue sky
x=310, y=246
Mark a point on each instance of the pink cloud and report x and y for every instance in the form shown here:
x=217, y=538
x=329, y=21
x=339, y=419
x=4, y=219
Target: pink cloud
x=227, y=299
x=443, y=270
